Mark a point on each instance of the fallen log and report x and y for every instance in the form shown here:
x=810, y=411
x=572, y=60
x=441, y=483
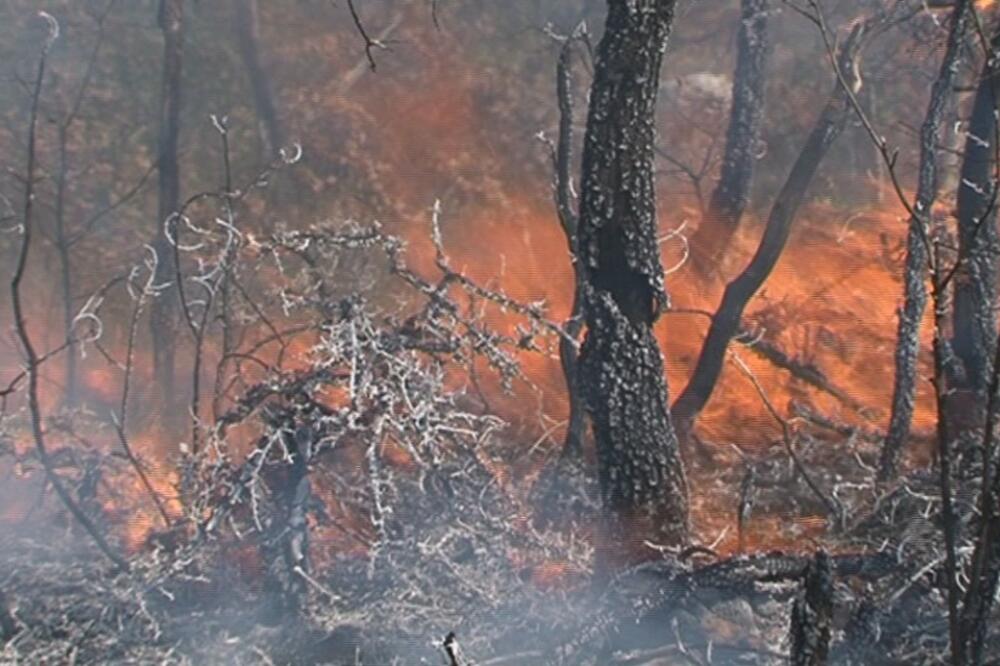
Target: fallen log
x=650, y=594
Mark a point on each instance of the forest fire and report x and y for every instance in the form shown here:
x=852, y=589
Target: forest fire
x=466, y=333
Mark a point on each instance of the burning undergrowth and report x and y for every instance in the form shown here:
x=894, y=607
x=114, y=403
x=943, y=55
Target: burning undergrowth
x=360, y=462
x=348, y=499
x=342, y=494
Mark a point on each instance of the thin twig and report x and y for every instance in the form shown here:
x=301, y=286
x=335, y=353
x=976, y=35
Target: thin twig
x=787, y=437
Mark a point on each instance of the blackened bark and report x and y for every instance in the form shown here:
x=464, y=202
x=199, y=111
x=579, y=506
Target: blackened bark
x=248, y=40
x=8, y=627
x=984, y=571
x=985, y=579
x=949, y=519
x=641, y=601
x=564, y=489
x=285, y=544
x=915, y=271
x=639, y=465
x=974, y=320
x=163, y=313
x=726, y=321
x=573, y=444
x=812, y=615
x=298, y=495
x=732, y=193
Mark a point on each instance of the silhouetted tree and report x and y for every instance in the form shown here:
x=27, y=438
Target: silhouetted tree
x=917, y=246
x=732, y=193
x=163, y=316
x=247, y=20
x=974, y=319
x=726, y=320
x=812, y=615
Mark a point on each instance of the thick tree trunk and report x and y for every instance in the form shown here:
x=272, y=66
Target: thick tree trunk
x=732, y=193
x=915, y=271
x=726, y=321
x=245, y=13
x=641, y=474
x=163, y=316
x=974, y=319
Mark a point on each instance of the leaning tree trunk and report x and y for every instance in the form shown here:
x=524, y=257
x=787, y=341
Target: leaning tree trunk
x=732, y=193
x=974, y=320
x=641, y=475
x=917, y=241
x=163, y=314
x=248, y=38
x=726, y=320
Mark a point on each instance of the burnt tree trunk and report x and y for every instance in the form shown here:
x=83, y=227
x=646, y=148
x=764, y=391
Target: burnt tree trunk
x=640, y=470
x=917, y=248
x=974, y=320
x=163, y=314
x=564, y=489
x=726, y=321
x=812, y=615
x=248, y=38
x=732, y=193
x=568, y=355
x=984, y=570
x=983, y=575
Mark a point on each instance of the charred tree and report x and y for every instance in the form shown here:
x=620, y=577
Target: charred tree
x=163, y=314
x=286, y=548
x=8, y=627
x=812, y=615
x=565, y=482
x=917, y=247
x=726, y=320
x=732, y=193
x=983, y=575
x=573, y=445
x=640, y=470
x=974, y=319
x=247, y=21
